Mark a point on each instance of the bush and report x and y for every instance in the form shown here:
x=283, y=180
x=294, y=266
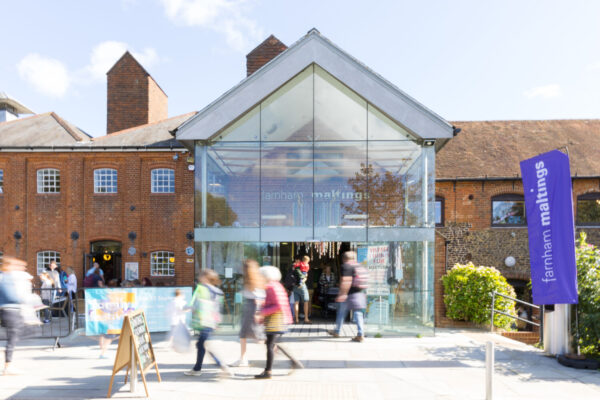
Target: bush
x=588, y=310
x=468, y=295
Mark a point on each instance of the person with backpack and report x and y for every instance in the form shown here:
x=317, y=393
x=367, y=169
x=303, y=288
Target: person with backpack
x=352, y=295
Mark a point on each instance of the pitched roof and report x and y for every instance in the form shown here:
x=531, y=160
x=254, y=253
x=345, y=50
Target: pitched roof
x=46, y=129
x=314, y=48
x=495, y=148
x=156, y=134
x=19, y=108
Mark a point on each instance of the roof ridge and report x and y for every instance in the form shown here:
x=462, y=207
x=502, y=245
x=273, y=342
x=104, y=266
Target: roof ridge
x=65, y=125
x=141, y=126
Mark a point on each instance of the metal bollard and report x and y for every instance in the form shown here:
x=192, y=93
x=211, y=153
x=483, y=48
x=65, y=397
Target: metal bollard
x=489, y=370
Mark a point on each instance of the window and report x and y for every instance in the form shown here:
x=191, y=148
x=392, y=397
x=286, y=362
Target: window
x=439, y=211
x=508, y=210
x=105, y=180
x=588, y=209
x=163, y=180
x=48, y=180
x=162, y=263
x=44, y=258
x=1, y=181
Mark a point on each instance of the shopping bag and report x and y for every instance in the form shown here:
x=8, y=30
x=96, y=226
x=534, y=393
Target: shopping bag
x=181, y=338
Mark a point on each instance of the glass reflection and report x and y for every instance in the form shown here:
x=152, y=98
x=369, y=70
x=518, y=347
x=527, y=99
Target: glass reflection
x=390, y=184
x=286, y=184
x=287, y=114
x=233, y=185
x=383, y=128
x=340, y=194
x=245, y=129
x=340, y=114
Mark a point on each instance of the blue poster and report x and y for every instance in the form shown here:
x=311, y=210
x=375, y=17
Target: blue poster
x=106, y=307
x=549, y=206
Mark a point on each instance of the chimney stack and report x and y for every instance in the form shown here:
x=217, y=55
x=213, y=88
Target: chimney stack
x=133, y=97
x=263, y=53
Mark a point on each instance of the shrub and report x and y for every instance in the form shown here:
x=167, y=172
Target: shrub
x=588, y=310
x=468, y=295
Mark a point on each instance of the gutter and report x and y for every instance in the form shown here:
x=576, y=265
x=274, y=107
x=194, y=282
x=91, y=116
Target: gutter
x=79, y=149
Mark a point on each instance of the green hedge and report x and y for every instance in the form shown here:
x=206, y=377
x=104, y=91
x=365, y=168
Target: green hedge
x=588, y=310
x=468, y=295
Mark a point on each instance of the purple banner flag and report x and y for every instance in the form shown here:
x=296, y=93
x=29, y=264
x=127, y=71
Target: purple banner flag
x=549, y=206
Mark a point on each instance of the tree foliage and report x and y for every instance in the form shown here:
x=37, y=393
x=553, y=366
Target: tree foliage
x=468, y=295
x=588, y=310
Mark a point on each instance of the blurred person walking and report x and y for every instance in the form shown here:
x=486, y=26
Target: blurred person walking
x=352, y=295
x=46, y=294
x=254, y=295
x=276, y=316
x=206, y=315
x=14, y=295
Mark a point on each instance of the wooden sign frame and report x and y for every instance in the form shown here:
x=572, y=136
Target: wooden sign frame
x=128, y=354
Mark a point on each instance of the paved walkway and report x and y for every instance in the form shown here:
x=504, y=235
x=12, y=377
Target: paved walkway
x=447, y=366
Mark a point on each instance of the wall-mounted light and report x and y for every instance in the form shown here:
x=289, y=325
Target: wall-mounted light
x=176, y=157
x=17, y=235
x=189, y=235
x=132, y=236
x=510, y=261
x=74, y=235
x=428, y=142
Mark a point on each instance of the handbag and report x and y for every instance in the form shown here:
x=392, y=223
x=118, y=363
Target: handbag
x=181, y=338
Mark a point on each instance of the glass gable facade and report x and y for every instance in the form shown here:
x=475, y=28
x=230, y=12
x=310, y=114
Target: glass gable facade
x=315, y=162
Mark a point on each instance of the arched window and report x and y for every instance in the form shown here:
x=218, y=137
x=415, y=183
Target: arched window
x=105, y=180
x=439, y=211
x=162, y=263
x=508, y=210
x=588, y=209
x=45, y=257
x=48, y=180
x=163, y=180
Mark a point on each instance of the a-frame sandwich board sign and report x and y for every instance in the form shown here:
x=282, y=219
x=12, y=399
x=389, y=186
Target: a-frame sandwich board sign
x=135, y=349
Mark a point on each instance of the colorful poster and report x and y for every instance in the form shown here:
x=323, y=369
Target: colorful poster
x=376, y=259
x=105, y=308
x=551, y=229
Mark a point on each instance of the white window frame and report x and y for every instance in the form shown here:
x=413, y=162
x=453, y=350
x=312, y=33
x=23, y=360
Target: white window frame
x=105, y=180
x=1, y=181
x=161, y=264
x=44, y=257
x=162, y=180
x=49, y=185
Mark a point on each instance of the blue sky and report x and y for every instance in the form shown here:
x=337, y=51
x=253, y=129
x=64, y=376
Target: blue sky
x=465, y=60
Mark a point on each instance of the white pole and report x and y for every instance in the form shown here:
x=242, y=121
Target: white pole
x=489, y=370
x=132, y=367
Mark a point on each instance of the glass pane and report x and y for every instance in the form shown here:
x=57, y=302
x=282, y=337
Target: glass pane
x=383, y=128
x=340, y=114
x=394, y=183
x=233, y=185
x=340, y=196
x=287, y=114
x=508, y=213
x=588, y=212
x=246, y=129
x=286, y=184
x=438, y=212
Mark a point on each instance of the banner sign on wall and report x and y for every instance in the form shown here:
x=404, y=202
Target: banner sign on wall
x=549, y=206
x=105, y=308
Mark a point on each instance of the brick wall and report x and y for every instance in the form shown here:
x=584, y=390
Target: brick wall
x=263, y=53
x=46, y=221
x=133, y=97
x=467, y=234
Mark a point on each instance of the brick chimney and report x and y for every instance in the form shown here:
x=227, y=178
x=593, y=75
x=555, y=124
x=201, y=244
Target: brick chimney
x=263, y=53
x=133, y=97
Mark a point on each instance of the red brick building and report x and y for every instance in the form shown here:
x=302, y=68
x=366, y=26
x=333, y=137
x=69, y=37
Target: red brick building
x=126, y=197
x=480, y=194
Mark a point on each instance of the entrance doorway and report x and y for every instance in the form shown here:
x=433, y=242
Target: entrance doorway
x=107, y=254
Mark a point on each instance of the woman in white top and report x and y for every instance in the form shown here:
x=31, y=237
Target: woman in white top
x=254, y=295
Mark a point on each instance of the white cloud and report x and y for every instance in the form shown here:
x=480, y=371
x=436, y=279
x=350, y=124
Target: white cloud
x=223, y=16
x=545, y=92
x=105, y=54
x=46, y=75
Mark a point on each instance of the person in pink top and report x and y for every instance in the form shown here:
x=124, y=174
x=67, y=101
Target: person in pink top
x=276, y=316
